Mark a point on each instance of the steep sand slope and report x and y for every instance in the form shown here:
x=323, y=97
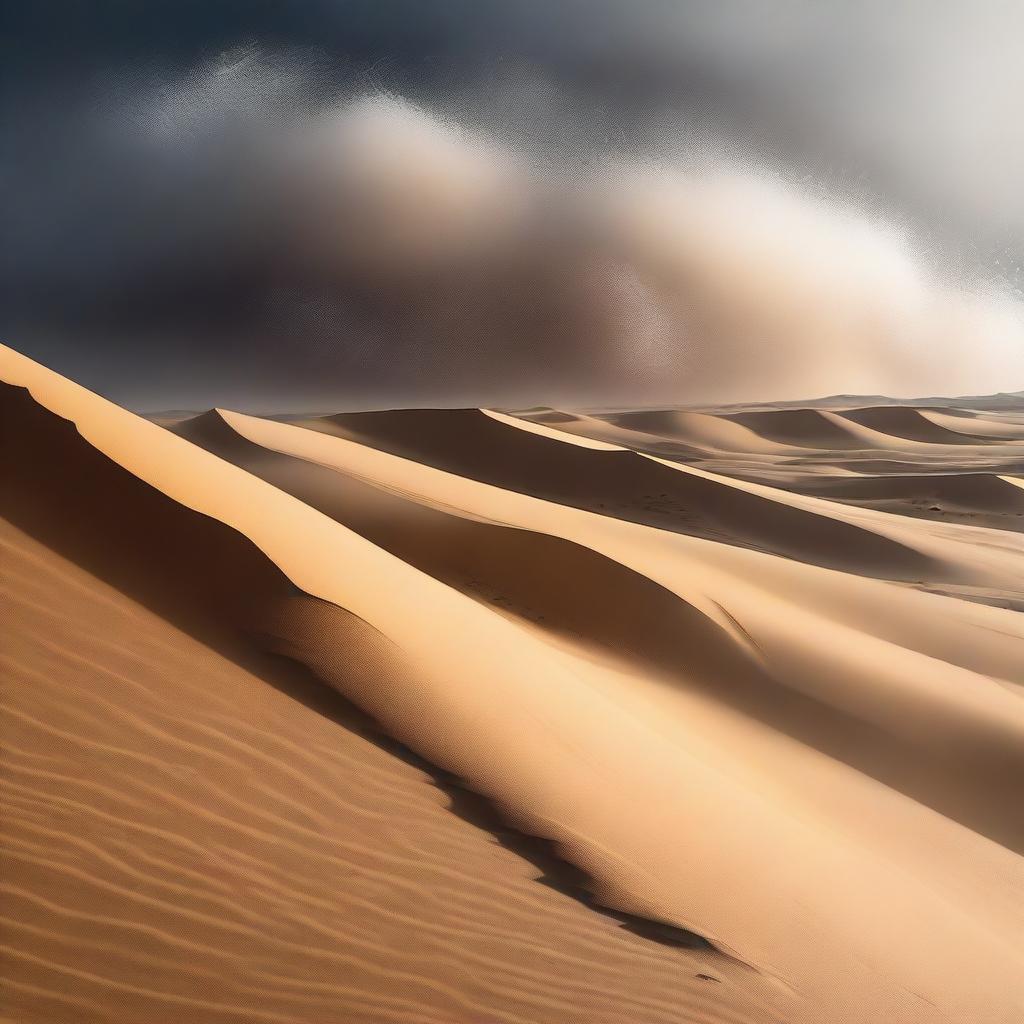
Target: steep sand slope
x=606, y=429
x=683, y=808
x=560, y=586
x=578, y=594
x=796, y=432
x=552, y=431
x=868, y=637
x=958, y=553
x=959, y=453
x=184, y=839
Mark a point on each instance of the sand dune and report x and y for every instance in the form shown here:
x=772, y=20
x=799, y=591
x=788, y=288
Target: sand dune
x=871, y=435
x=821, y=451
x=809, y=428
x=882, y=616
x=911, y=424
x=975, y=425
x=606, y=428
x=556, y=584
x=561, y=587
x=712, y=433
x=271, y=854
x=186, y=839
x=805, y=766
x=981, y=499
x=622, y=484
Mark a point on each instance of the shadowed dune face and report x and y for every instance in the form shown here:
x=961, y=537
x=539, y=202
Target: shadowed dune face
x=587, y=598
x=807, y=427
x=621, y=484
x=983, y=499
x=976, y=424
x=693, y=655
x=258, y=643
x=940, y=463
x=714, y=432
x=716, y=718
x=185, y=839
x=194, y=571
x=912, y=424
x=552, y=583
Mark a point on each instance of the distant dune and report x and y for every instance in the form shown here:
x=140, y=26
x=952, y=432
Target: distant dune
x=712, y=433
x=454, y=716
x=810, y=428
x=911, y=424
x=622, y=484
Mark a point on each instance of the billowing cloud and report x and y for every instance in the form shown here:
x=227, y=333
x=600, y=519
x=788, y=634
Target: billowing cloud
x=361, y=244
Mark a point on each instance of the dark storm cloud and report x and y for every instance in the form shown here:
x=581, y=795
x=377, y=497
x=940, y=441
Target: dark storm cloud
x=165, y=214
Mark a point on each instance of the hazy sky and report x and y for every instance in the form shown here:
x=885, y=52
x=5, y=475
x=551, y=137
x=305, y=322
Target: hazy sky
x=385, y=202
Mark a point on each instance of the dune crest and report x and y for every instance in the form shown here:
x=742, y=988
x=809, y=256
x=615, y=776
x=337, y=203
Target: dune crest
x=721, y=785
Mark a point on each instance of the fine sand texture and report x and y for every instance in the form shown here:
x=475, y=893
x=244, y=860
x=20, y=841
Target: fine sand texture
x=468, y=716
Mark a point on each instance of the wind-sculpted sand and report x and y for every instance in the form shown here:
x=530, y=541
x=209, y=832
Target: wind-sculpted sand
x=454, y=715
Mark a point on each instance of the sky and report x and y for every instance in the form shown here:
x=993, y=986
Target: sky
x=351, y=204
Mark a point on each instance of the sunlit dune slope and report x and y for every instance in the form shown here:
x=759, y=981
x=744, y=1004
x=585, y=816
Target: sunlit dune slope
x=806, y=766
x=186, y=838
x=576, y=593
x=882, y=609
x=551, y=582
x=976, y=425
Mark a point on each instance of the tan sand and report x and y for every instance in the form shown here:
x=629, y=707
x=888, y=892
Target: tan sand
x=911, y=424
x=809, y=767
x=884, y=669
x=976, y=426
x=809, y=428
x=621, y=483
x=188, y=840
x=954, y=482
x=980, y=499
x=702, y=430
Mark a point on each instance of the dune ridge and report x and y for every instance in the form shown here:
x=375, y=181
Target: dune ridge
x=956, y=476
x=639, y=783
x=359, y=456
x=211, y=761
x=562, y=587
x=924, y=425
x=183, y=840
x=619, y=482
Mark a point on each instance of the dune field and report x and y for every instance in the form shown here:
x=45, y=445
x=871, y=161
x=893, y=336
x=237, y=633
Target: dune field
x=468, y=716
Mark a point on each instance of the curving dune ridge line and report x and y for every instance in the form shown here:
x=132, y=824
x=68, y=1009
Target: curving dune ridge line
x=619, y=482
x=924, y=425
x=640, y=784
x=899, y=614
x=194, y=831
x=940, y=463
x=185, y=840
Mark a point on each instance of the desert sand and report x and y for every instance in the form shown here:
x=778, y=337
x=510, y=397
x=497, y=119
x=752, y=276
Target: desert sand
x=477, y=716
